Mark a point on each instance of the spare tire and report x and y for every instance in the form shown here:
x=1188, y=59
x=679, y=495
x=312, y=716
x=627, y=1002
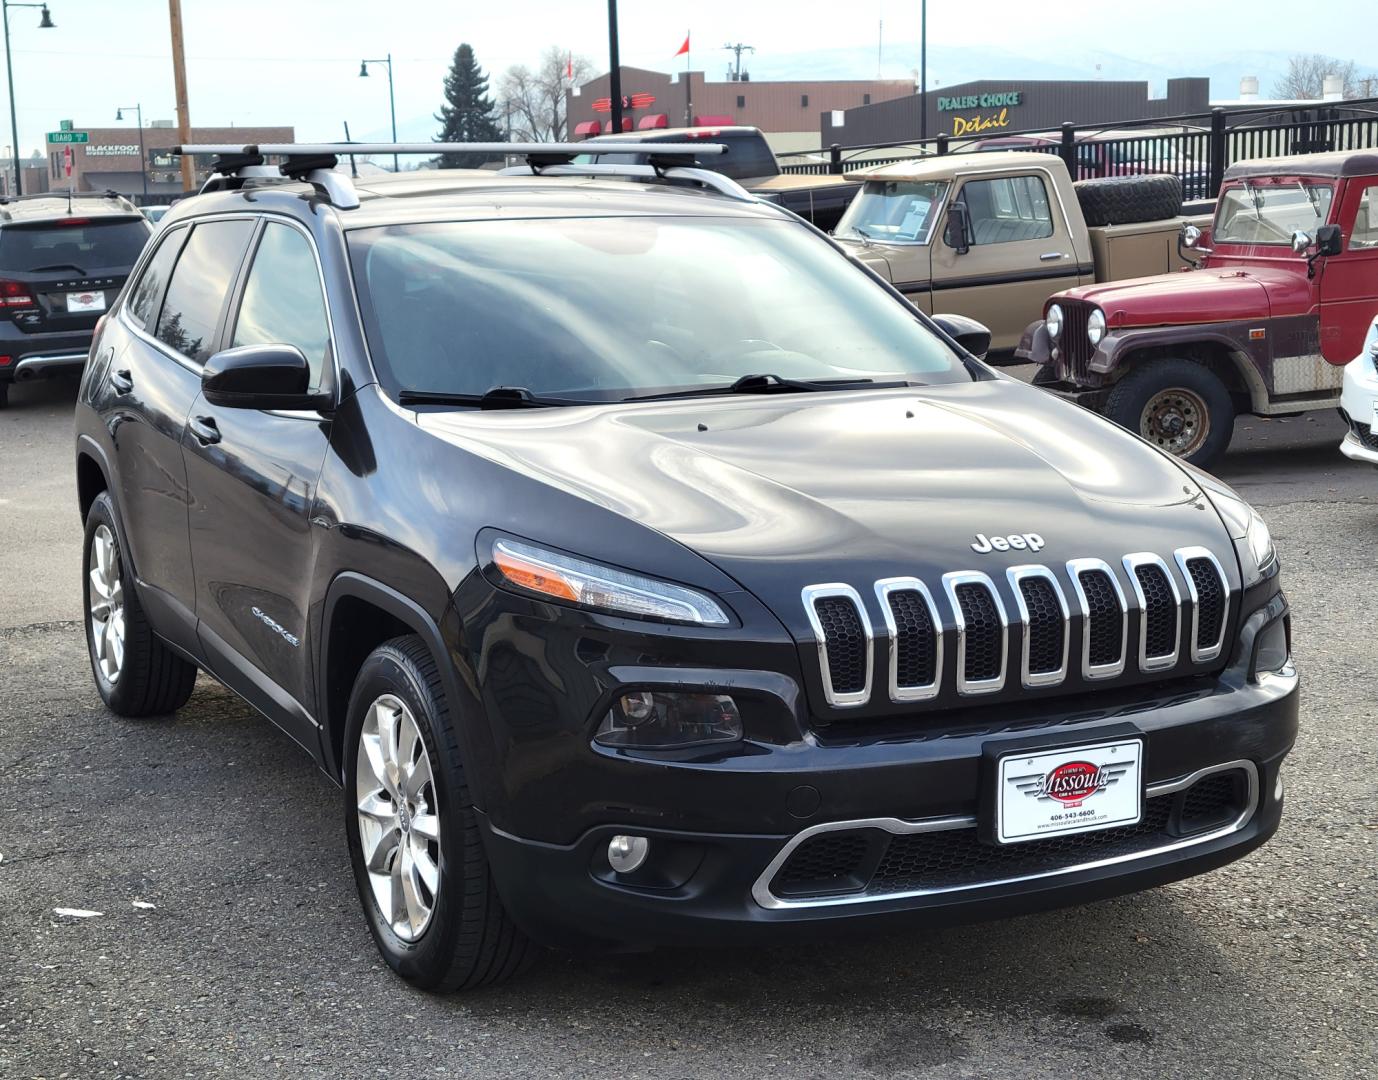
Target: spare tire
x=1124, y=200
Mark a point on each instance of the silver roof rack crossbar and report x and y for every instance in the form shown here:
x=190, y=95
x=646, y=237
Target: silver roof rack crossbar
x=314, y=163
x=704, y=177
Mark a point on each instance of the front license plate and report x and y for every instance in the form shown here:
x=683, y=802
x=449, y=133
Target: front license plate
x=1069, y=790
x=86, y=301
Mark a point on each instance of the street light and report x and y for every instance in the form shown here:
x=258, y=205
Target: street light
x=392, y=102
x=45, y=23
x=143, y=158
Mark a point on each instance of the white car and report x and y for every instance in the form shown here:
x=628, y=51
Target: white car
x=1359, y=402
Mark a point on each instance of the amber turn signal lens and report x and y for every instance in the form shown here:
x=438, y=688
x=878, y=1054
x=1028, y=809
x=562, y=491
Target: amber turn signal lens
x=530, y=576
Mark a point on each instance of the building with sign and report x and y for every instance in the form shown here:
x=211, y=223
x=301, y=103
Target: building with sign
x=990, y=106
x=109, y=158
x=787, y=112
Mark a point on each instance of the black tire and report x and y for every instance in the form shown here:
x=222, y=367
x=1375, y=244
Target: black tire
x=152, y=680
x=469, y=940
x=1126, y=200
x=4, y=394
x=1178, y=391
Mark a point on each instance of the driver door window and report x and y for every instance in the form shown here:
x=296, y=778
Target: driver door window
x=283, y=303
x=1007, y=209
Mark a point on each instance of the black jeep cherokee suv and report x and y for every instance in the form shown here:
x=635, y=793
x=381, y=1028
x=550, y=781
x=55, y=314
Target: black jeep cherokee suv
x=645, y=571
x=62, y=261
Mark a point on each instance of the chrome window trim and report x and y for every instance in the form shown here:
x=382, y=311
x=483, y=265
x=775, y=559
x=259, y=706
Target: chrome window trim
x=902, y=694
x=1131, y=564
x=1184, y=556
x=1090, y=672
x=1015, y=575
x=965, y=687
x=809, y=595
x=760, y=890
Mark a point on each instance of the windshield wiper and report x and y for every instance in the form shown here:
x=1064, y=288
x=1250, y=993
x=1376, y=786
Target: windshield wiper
x=767, y=383
x=497, y=397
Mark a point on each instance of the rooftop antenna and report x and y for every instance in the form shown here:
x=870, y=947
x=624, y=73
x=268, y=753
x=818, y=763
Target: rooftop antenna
x=353, y=167
x=738, y=48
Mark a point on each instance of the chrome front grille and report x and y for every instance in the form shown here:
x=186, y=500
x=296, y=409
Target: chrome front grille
x=1076, y=346
x=1048, y=623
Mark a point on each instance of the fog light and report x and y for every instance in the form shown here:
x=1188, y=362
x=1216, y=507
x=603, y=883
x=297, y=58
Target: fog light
x=649, y=720
x=1277, y=788
x=627, y=853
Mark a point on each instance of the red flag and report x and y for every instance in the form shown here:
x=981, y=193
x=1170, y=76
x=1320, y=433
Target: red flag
x=685, y=47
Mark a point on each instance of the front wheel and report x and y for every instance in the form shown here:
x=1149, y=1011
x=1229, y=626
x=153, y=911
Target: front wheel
x=1177, y=405
x=413, y=835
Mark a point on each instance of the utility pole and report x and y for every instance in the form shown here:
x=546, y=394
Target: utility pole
x=179, y=80
x=738, y=49
x=615, y=70
x=923, y=70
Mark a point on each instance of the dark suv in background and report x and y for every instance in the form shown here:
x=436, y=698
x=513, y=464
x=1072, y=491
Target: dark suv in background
x=63, y=260
x=646, y=571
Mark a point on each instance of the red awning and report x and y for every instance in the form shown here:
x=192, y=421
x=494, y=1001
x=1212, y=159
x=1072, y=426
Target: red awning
x=587, y=129
x=655, y=120
x=713, y=121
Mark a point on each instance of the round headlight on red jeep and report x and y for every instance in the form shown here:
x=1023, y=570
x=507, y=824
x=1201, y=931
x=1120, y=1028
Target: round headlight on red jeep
x=1095, y=327
x=1053, y=320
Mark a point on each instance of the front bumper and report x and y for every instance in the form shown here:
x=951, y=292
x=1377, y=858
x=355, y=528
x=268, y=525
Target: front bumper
x=699, y=887
x=1359, y=407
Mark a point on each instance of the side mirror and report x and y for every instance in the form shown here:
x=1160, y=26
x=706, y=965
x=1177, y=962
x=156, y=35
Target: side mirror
x=1191, y=236
x=967, y=333
x=259, y=377
x=1301, y=241
x=1328, y=240
x=956, y=229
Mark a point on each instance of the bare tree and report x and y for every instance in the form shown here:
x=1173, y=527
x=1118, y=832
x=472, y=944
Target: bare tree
x=532, y=103
x=1307, y=72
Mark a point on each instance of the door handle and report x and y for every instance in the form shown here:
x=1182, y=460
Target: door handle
x=203, y=427
x=1049, y=256
x=121, y=381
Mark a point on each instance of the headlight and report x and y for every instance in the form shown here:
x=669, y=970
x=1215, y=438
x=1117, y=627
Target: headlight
x=1252, y=540
x=1258, y=542
x=1053, y=320
x=651, y=720
x=563, y=577
x=1095, y=326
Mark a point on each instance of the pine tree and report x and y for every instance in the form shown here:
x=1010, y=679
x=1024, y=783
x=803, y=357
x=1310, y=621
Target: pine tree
x=468, y=115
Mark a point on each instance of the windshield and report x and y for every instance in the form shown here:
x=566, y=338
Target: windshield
x=1270, y=213
x=893, y=210
x=79, y=244
x=599, y=309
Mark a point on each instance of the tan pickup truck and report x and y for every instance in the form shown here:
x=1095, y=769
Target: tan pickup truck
x=992, y=235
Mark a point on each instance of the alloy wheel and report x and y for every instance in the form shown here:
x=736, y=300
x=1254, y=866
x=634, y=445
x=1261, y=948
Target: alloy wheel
x=399, y=817
x=1176, y=420
x=106, y=604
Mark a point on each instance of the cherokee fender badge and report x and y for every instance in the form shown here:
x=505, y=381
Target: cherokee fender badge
x=1018, y=541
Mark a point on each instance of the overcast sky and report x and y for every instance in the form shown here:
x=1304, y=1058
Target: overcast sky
x=296, y=62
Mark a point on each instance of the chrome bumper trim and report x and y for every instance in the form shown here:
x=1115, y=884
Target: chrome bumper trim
x=761, y=893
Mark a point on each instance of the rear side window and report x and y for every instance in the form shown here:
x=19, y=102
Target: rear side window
x=75, y=245
x=143, y=301
x=200, y=281
x=283, y=303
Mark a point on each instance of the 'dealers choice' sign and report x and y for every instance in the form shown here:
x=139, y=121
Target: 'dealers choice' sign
x=989, y=111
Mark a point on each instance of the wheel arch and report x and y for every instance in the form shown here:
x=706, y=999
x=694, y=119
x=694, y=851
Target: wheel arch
x=94, y=475
x=359, y=614
x=1218, y=352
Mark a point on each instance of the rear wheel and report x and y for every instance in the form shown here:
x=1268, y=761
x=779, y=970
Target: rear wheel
x=136, y=674
x=1177, y=405
x=413, y=835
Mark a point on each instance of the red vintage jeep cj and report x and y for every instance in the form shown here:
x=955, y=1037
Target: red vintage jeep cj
x=1279, y=302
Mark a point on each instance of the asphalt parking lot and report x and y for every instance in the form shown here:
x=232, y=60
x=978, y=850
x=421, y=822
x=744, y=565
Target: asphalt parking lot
x=248, y=956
